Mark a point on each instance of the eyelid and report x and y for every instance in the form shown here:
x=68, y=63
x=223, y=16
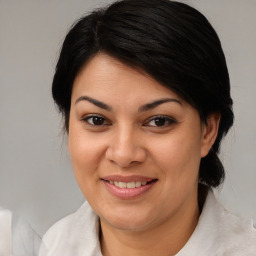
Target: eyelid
x=85, y=119
x=169, y=119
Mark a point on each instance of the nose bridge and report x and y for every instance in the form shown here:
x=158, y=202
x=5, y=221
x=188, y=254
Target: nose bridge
x=125, y=139
x=125, y=147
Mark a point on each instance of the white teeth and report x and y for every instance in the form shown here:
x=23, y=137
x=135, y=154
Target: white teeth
x=137, y=184
x=132, y=184
x=122, y=184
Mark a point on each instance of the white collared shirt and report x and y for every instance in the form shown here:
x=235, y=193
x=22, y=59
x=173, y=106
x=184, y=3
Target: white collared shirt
x=218, y=233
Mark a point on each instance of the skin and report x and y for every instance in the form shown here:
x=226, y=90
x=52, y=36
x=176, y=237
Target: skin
x=129, y=139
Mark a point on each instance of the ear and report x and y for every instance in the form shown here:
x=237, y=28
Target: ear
x=209, y=133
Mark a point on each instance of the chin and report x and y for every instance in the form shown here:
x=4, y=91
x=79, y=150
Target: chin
x=130, y=220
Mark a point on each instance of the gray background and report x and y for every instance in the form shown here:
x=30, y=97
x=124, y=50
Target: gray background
x=36, y=177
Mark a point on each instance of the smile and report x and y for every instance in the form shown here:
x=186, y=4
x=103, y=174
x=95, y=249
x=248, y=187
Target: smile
x=133, y=184
x=127, y=187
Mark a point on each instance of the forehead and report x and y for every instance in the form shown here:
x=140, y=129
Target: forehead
x=108, y=77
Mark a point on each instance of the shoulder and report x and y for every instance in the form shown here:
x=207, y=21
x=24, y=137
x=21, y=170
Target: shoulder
x=219, y=232
x=237, y=234
x=73, y=233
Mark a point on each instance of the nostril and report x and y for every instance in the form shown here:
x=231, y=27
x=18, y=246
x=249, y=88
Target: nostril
x=125, y=152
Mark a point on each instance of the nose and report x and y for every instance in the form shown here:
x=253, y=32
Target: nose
x=126, y=148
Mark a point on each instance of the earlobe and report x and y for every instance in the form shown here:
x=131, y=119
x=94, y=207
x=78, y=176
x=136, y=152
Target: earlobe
x=209, y=133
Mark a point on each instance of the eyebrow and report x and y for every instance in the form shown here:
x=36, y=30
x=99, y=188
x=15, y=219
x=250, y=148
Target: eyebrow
x=97, y=103
x=143, y=108
x=156, y=103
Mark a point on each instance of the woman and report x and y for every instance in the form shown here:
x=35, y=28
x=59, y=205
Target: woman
x=144, y=90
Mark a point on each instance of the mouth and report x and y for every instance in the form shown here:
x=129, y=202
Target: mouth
x=128, y=187
x=131, y=184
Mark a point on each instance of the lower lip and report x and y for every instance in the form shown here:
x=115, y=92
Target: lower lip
x=128, y=193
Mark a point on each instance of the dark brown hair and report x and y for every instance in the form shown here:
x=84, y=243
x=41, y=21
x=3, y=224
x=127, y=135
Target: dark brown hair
x=173, y=42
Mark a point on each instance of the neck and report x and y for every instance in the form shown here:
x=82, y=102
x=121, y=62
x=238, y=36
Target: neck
x=165, y=239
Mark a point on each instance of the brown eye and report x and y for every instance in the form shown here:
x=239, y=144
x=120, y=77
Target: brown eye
x=160, y=121
x=95, y=120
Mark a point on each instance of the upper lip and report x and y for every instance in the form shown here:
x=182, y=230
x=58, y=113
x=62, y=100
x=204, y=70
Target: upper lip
x=130, y=178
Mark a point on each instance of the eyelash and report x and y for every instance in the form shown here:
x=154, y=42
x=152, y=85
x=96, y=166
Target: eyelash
x=161, y=118
x=165, y=121
x=99, y=117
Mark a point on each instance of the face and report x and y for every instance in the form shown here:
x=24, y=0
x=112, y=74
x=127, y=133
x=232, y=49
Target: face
x=135, y=146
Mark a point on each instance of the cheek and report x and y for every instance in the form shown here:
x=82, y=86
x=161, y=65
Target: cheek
x=179, y=151
x=179, y=156
x=86, y=153
x=84, y=147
